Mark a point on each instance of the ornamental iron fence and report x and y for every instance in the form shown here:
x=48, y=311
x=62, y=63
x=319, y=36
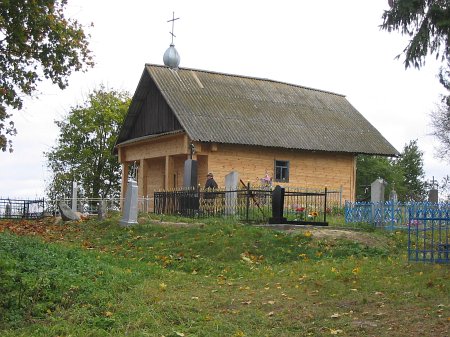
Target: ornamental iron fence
x=21, y=209
x=92, y=205
x=389, y=215
x=249, y=204
x=429, y=235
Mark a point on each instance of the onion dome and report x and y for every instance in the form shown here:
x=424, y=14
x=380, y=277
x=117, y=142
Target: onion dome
x=171, y=57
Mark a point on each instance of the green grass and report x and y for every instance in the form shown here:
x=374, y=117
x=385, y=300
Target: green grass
x=213, y=278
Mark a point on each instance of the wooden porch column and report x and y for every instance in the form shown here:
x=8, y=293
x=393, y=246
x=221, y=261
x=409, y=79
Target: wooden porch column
x=168, y=172
x=123, y=185
x=142, y=179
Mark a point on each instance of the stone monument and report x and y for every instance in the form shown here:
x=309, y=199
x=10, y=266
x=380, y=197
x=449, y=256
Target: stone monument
x=66, y=212
x=190, y=174
x=377, y=190
x=231, y=185
x=277, y=206
x=433, y=194
x=393, y=195
x=74, y=196
x=130, y=210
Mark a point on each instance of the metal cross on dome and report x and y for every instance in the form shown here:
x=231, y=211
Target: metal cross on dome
x=173, y=21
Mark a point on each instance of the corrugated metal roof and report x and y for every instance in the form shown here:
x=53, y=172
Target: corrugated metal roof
x=223, y=108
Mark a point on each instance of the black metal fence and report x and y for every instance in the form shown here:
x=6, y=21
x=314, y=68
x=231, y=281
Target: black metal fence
x=250, y=204
x=21, y=209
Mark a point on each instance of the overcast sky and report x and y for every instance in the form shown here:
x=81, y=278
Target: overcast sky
x=329, y=45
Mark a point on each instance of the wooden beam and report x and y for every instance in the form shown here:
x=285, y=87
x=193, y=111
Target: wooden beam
x=142, y=180
x=123, y=186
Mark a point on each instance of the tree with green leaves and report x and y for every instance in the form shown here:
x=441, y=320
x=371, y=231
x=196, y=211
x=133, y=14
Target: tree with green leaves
x=405, y=174
x=37, y=42
x=426, y=22
x=369, y=168
x=410, y=164
x=84, y=149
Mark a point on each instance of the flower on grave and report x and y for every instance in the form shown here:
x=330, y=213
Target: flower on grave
x=300, y=212
x=312, y=215
x=266, y=181
x=414, y=223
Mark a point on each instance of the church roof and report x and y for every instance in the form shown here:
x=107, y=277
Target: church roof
x=224, y=108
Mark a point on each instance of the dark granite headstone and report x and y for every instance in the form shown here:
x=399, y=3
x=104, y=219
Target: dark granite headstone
x=277, y=206
x=190, y=173
x=433, y=195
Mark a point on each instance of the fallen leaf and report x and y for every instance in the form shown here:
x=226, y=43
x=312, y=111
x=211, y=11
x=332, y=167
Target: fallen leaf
x=245, y=258
x=336, y=332
x=335, y=315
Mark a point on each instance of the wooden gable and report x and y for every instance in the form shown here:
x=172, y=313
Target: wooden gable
x=149, y=113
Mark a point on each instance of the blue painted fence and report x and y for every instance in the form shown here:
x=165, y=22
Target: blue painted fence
x=428, y=225
x=390, y=215
x=429, y=235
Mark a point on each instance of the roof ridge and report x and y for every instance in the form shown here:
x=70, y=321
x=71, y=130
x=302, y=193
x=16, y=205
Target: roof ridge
x=249, y=77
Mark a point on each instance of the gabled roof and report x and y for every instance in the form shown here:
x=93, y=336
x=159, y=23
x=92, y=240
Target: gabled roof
x=223, y=108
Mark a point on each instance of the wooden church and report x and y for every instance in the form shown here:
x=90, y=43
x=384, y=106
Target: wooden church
x=300, y=137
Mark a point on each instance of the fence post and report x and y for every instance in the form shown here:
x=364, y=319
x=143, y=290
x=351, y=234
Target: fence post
x=325, y=206
x=247, y=204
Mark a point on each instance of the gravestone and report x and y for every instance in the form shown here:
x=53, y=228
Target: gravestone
x=231, y=185
x=277, y=206
x=74, y=196
x=8, y=209
x=377, y=190
x=190, y=173
x=190, y=201
x=66, y=212
x=393, y=196
x=433, y=195
x=130, y=210
x=377, y=198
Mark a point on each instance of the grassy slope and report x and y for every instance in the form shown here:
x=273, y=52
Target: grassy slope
x=212, y=279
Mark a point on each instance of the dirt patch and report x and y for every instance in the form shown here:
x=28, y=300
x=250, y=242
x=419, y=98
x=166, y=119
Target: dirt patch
x=364, y=238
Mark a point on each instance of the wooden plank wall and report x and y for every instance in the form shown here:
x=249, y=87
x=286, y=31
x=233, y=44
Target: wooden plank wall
x=307, y=169
x=155, y=115
x=160, y=147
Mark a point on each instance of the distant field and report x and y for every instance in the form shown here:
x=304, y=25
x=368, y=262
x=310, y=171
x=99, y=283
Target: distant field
x=214, y=278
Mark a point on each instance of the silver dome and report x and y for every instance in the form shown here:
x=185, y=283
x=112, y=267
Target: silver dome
x=171, y=57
